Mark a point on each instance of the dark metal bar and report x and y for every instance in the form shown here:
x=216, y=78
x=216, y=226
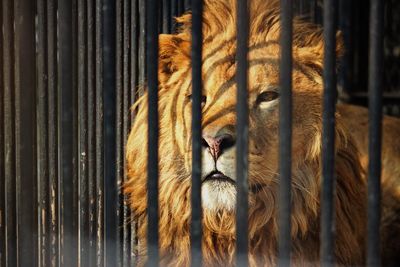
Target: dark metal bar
x=9, y=133
x=346, y=24
x=152, y=163
x=25, y=131
x=124, y=19
x=242, y=135
x=174, y=14
x=130, y=239
x=181, y=7
x=120, y=24
x=111, y=187
x=328, y=133
x=166, y=16
x=2, y=163
x=188, y=5
x=129, y=42
x=134, y=56
x=67, y=208
x=142, y=42
x=43, y=210
x=375, y=87
x=126, y=90
x=83, y=138
x=197, y=39
x=285, y=133
x=53, y=132
x=99, y=139
x=91, y=83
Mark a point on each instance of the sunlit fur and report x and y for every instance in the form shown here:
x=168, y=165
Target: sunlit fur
x=219, y=67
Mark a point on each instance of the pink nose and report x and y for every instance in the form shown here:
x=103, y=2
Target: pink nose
x=218, y=144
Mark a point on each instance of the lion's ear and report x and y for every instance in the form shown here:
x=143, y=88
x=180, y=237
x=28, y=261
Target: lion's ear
x=311, y=52
x=173, y=55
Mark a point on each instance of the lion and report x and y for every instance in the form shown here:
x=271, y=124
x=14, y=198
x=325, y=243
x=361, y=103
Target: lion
x=219, y=147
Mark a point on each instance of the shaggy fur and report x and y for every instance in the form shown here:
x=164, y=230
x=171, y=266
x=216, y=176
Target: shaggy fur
x=219, y=67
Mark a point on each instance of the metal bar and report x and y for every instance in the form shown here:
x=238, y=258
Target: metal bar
x=120, y=24
x=346, y=22
x=242, y=135
x=75, y=123
x=196, y=228
x=174, y=14
x=328, y=133
x=91, y=79
x=129, y=42
x=142, y=43
x=152, y=163
x=166, y=16
x=285, y=133
x=111, y=187
x=43, y=210
x=188, y=5
x=9, y=133
x=134, y=69
x=375, y=84
x=181, y=7
x=2, y=146
x=68, y=227
x=130, y=238
x=53, y=132
x=83, y=138
x=25, y=132
x=99, y=139
x=123, y=117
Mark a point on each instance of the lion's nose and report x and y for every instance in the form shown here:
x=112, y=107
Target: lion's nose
x=218, y=144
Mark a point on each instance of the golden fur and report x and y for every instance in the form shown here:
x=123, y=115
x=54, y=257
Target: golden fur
x=219, y=48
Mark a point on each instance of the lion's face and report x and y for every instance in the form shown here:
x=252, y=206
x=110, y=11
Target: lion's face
x=219, y=143
x=219, y=117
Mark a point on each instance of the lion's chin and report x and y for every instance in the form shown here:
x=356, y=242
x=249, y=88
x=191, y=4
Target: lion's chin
x=218, y=195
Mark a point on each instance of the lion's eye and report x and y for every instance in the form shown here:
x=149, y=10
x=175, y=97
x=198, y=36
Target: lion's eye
x=267, y=96
x=203, y=99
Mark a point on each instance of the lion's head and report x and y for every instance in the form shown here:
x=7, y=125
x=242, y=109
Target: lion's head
x=219, y=146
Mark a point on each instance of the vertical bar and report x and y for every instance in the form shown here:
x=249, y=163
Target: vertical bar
x=2, y=163
x=142, y=42
x=120, y=24
x=197, y=39
x=129, y=43
x=53, y=131
x=83, y=139
x=166, y=15
x=242, y=114
x=123, y=55
x=346, y=21
x=174, y=14
x=99, y=140
x=25, y=129
x=91, y=80
x=9, y=134
x=42, y=137
x=130, y=239
x=152, y=163
x=111, y=187
x=68, y=227
x=328, y=134
x=285, y=133
x=134, y=57
x=181, y=7
x=188, y=5
x=375, y=83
